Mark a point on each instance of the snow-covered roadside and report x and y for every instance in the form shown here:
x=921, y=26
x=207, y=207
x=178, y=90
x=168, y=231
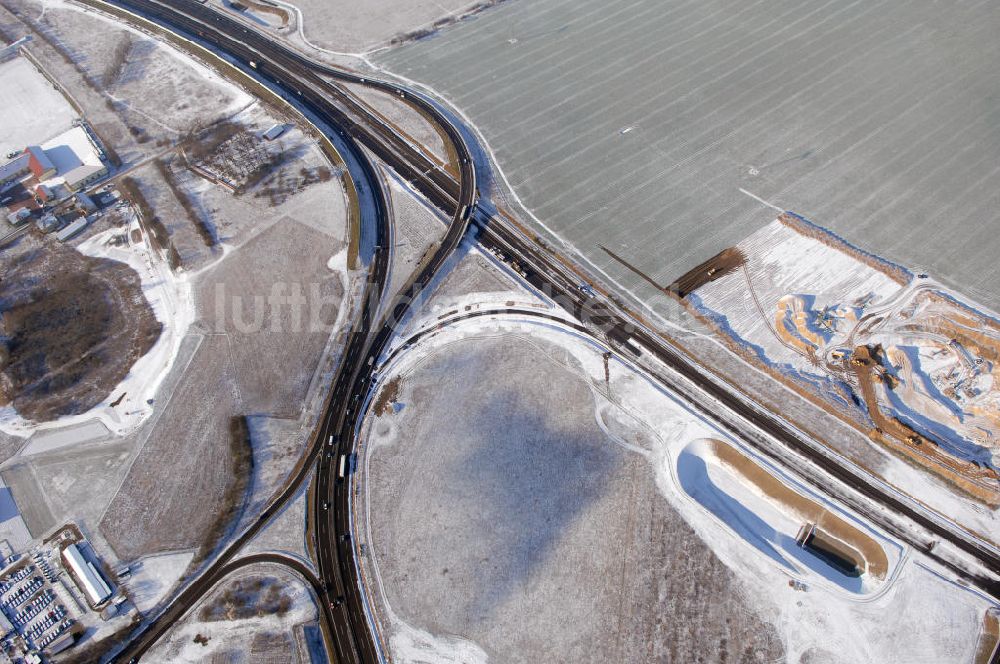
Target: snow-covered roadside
x=240, y=98
x=170, y=297
x=153, y=576
x=410, y=644
x=220, y=637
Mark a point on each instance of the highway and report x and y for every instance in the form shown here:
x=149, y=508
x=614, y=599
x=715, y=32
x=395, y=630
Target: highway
x=313, y=88
x=342, y=602
x=711, y=397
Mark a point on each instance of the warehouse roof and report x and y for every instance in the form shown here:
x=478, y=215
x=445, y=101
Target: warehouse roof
x=94, y=585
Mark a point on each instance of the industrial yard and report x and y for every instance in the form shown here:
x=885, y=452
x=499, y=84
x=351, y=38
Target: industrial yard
x=58, y=595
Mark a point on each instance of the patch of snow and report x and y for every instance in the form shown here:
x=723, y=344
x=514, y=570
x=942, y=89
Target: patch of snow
x=414, y=646
x=154, y=576
x=54, y=439
x=338, y=262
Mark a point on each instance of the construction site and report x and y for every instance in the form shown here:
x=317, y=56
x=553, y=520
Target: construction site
x=900, y=358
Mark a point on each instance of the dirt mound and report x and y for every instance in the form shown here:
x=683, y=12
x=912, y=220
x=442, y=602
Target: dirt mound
x=72, y=328
x=716, y=267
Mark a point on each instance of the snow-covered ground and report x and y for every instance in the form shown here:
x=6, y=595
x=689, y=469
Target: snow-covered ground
x=286, y=532
x=160, y=83
x=199, y=639
x=48, y=440
x=768, y=527
x=803, y=302
x=348, y=27
x=782, y=262
x=13, y=530
x=33, y=110
x=917, y=614
x=154, y=576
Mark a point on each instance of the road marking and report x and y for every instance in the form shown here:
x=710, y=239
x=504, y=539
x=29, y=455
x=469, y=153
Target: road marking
x=761, y=200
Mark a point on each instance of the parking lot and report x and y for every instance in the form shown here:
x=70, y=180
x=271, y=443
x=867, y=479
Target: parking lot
x=38, y=608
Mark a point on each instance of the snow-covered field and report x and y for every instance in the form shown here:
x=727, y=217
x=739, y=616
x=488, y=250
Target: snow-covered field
x=350, y=27
x=158, y=86
x=916, y=614
x=199, y=638
x=154, y=576
x=33, y=109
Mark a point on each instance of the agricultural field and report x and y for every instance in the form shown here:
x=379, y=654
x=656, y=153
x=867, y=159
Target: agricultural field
x=198, y=471
x=348, y=27
x=634, y=126
x=530, y=533
x=257, y=353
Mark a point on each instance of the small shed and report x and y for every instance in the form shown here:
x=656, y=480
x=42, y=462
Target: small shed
x=72, y=229
x=19, y=216
x=86, y=202
x=47, y=223
x=275, y=131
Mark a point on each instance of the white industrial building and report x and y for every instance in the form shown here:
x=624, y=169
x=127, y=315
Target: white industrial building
x=94, y=585
x=72, y=229
x=60, y=166
x=76, y=161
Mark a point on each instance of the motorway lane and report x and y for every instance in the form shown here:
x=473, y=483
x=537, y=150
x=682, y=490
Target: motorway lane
x=357, y=342
x=335, y=556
